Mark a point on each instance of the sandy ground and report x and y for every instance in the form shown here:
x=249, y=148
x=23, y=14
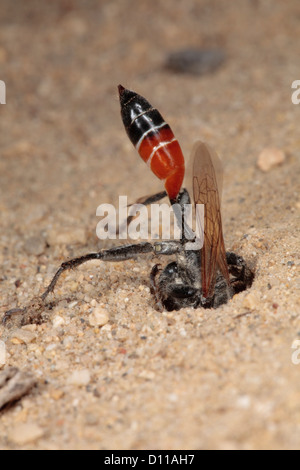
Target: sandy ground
x=193, y=379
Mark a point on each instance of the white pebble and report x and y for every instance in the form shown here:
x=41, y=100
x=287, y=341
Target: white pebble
x=79, y=377
x=98, y=317
x=183, y=332
x=270, y=157
x=58, y=321
x=147, y=374
x=173, y=397
x=243, y=402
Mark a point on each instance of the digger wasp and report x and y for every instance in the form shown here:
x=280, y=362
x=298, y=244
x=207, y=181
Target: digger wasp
x=199, y=277
x=206, y=277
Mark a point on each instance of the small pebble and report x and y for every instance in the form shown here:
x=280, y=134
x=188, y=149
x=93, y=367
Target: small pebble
x=250, y=301
x=98, y=317
x=173, y=397
x=195, y=61
x=73, y=287
x=58, y=321
x=56, y=394
x=147, y=374
x=21, y=335
x=34, y=245
x=25, y=433
x=269, y=158
x=29, y=327
x=243, y=402
x=79, y=377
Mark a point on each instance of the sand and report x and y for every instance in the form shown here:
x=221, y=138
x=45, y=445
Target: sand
x=111, y=371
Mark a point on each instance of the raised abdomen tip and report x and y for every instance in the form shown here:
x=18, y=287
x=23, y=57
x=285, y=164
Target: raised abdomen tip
x=121, y=89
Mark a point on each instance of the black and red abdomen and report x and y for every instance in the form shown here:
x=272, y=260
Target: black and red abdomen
x=154, y=140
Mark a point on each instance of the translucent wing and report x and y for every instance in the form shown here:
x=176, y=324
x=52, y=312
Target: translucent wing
x=209, y=221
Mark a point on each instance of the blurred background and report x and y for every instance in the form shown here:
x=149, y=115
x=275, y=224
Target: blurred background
x=62, y=60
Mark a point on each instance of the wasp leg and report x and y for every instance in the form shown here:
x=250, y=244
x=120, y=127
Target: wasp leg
x=120, y=253
x=182, y=199
x=154, y=287
x=175, y=297
x=165, y=293
x=14, y=311
x=238, y=268
x=181, y=291
x=34, y=312
x=146, y=201
x=168, y=247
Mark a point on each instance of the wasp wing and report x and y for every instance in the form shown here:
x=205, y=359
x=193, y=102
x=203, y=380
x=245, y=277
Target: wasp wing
x=209, y=221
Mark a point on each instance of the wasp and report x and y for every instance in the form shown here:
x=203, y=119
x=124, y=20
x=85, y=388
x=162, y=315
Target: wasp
x=201, y=277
